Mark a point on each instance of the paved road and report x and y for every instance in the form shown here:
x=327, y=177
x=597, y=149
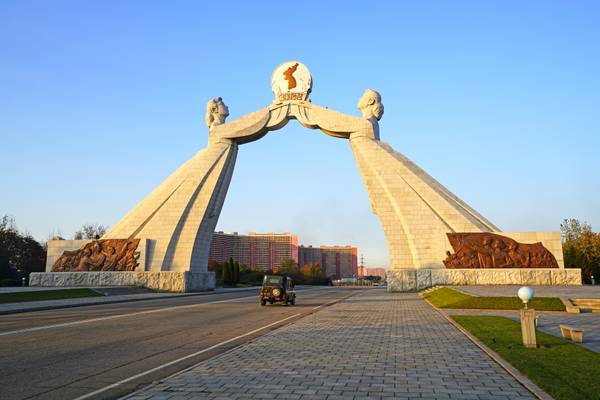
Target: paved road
x=70, y=353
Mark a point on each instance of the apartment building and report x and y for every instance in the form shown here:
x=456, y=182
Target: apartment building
x=337, y=261
x=259, y=251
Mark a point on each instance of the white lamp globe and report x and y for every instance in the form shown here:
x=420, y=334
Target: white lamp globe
x=525, y=294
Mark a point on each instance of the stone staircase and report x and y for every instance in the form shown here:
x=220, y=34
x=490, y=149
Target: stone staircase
x=587, y=305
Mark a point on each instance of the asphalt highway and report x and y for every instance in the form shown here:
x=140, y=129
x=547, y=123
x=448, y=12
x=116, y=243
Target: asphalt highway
x=106, y=351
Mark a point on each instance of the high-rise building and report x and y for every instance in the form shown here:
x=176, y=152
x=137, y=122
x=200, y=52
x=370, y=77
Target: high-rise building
x=336, y=261
x=309, y=255
x=264, y=251
x=259, y=251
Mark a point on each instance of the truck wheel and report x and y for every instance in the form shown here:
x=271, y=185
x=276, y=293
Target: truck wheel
x=263, y=302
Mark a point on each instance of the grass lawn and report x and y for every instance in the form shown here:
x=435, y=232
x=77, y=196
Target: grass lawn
x=449, y=298
x=563, y=369
x=46, y=295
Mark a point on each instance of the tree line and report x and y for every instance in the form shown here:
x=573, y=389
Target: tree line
x=581, y=248
x=309, y=274
x=231, y=273
x=21, y=254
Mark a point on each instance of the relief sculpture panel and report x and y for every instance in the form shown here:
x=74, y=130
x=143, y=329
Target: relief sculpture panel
x=490, y=250
x=100, y=255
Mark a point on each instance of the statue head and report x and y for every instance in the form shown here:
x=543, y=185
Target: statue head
x=370, y=104
x=216, y=112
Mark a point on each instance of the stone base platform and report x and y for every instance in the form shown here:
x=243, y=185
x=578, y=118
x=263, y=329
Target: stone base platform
x=412, y=280
x=163, y=280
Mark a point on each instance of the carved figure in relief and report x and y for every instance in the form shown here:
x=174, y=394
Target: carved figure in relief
x=118, y=261
x=216, y=112
x=490, y=250
x=100, y=255
x=93, y=259
x=516, y=257
x=500, y=258
x=481, y=251
x=289, y=76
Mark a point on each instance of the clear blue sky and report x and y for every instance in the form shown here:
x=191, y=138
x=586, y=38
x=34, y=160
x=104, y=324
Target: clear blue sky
x=498, y=100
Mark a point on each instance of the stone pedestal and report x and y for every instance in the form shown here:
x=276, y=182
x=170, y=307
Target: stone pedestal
x=167, y=281
x=412, y=280
x=528, y=328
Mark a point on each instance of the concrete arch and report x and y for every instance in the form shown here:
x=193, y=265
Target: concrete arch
x=415, y=211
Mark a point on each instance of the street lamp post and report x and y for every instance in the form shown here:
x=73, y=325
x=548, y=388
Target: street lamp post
x=525, y=294
x=527, y=318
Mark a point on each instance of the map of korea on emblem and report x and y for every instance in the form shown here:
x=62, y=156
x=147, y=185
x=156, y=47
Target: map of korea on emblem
x=291, y=81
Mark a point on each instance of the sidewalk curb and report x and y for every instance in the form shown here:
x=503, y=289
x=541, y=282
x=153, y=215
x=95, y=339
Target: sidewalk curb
x=96, y=303
x=515, y=373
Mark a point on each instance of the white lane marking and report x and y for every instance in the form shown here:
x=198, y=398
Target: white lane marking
x=114, y=385
x=87, y=321
x=109, y=317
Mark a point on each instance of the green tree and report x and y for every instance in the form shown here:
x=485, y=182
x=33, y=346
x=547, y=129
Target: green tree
x=289, y=267
x=217, y=268
x=244, y=268
x=231, y=272
x=236, y=272
x=20, y=254
x=227, y=273
x=312, y=274
x=90, y=231
x=581, y=248
x=317, y=273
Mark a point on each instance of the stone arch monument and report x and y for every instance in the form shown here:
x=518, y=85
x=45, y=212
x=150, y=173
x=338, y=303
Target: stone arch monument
x=422, y=220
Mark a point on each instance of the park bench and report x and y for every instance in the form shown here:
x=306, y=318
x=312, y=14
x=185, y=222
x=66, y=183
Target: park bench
x=574, y=334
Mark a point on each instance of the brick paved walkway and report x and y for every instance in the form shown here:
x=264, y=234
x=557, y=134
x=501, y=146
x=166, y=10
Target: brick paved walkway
x=375, y=345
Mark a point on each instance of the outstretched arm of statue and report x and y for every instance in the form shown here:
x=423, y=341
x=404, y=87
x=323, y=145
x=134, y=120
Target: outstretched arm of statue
x=255, y=125
x=245, y=129
x=334, y=123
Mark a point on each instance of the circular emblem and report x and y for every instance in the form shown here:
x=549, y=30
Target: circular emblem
x=291, y=81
